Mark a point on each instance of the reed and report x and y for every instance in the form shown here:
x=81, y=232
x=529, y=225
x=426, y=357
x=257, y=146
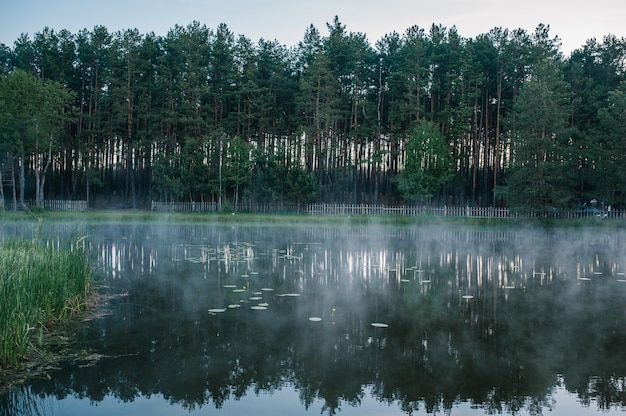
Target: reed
x=39, y=284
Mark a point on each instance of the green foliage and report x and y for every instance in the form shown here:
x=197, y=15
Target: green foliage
x=298, y=185
x=273, y=181
x=609, y=157
x=32, y=116
x=236, y=165
x=203, y=114
x=266, y=178
x=541, y=177
x=428, y=163
x=38, y=284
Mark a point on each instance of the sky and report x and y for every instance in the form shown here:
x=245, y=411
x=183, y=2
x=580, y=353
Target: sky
x=573, y=21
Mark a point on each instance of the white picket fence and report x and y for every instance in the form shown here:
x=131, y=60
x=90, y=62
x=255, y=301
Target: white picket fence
x=184, y=206
x=65, y=205
x=412, y=210
x=333, y=209
x=49, y=204
x=370, y=209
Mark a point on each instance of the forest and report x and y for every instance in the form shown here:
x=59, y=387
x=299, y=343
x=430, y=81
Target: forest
x=202, y=114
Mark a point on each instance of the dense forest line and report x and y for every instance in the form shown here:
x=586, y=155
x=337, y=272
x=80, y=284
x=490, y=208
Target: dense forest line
x=202, y=114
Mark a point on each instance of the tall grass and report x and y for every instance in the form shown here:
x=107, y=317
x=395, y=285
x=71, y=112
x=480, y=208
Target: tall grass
x=38, y=284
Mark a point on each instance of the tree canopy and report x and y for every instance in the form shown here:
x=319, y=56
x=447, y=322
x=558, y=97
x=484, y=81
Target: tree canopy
x=203, y=114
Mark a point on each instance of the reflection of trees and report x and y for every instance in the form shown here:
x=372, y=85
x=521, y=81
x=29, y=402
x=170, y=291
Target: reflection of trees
x=502, y=350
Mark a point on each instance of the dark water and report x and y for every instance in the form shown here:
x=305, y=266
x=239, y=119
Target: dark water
x=217, y=320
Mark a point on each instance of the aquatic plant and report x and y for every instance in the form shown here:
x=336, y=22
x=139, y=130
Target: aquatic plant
x=39, y=284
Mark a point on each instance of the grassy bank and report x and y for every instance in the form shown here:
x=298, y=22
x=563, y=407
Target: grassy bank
x=287, y=219
x=293, y=218
x=38, y=285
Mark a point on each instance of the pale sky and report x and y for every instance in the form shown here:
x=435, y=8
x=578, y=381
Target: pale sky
x=574, y=21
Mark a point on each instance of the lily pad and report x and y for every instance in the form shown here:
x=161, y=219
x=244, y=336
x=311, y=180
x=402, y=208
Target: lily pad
x=379, y=325
x=258, y=308
x=315, y=319
x=216, y=310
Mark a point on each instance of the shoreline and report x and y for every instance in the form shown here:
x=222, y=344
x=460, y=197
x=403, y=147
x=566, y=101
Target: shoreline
x=295, y=219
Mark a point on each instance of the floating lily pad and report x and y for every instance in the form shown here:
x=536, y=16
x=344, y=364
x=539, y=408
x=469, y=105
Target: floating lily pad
x=256, y=298
x=584, y=278
x=239, y=290
x=265, y=304
x=216, y=310
x=293, y=295
x=379, y=325
x=315, y=319
x=267, y=289
x=234, y=306
x=509, y=287
x=405, y=280
x=258, y=308
x=230, y=286
x=467, y=297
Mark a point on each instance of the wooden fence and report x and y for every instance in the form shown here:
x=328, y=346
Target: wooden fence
x=337, y=209
x=268, y=208
x=184, y=206
x=49, y=204
x=411, y=210
x=65, y=205
x=367, y=209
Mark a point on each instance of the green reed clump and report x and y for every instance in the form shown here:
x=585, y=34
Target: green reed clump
x=38, y=285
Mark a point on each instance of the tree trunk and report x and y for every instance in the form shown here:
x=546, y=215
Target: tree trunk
x=22, y=180
x=2, y=189
x=13, y=185
x=496, y=150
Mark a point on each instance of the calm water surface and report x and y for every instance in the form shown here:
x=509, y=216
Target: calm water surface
x=201, y=320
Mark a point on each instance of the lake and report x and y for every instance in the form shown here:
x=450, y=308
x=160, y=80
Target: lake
x=231, y=320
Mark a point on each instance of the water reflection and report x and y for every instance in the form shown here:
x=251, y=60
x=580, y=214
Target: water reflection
x=500, y=320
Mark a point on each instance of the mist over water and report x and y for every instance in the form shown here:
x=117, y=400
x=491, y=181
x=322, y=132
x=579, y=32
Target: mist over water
x=210, y=319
